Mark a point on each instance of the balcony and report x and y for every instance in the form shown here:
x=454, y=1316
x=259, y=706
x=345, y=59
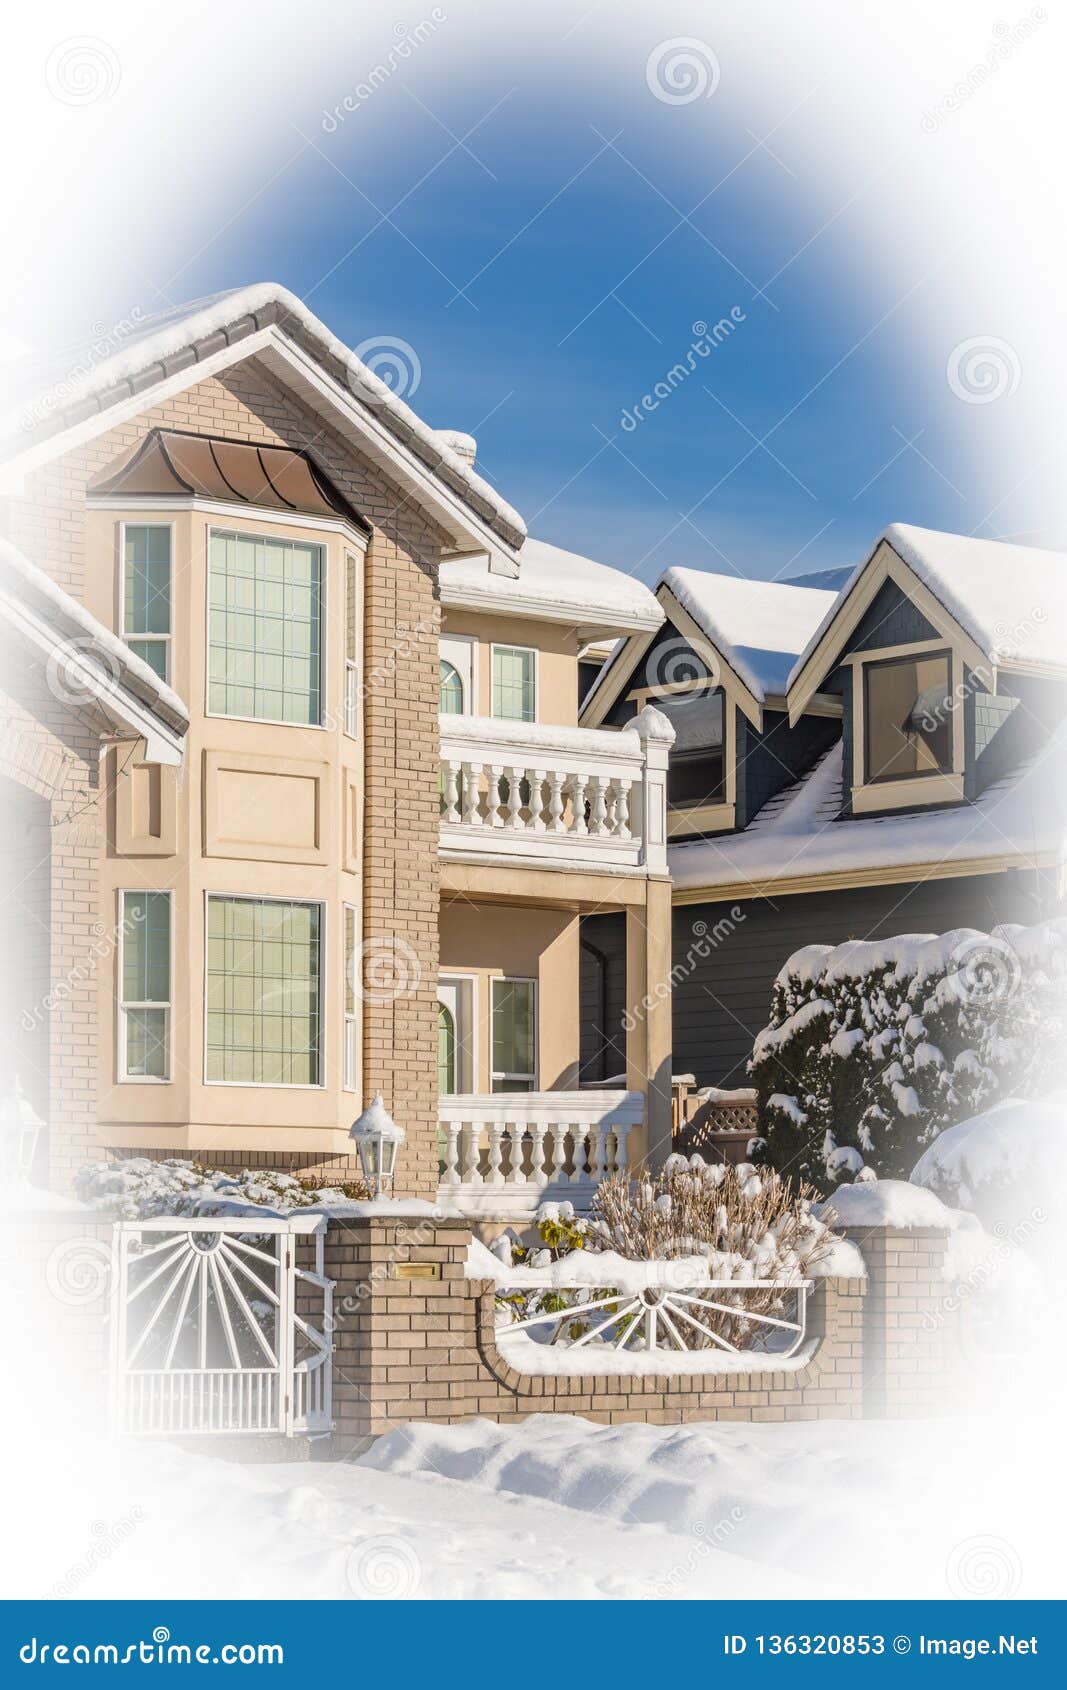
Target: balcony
x=526, y=794
x=503, y=1153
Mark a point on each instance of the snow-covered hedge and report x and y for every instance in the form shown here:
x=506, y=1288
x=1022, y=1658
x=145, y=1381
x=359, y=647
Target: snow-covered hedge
x=138, y=1187
x=874, y=1047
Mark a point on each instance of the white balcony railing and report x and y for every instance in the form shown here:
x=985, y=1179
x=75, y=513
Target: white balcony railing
x=504, y=1153
x=579, y=797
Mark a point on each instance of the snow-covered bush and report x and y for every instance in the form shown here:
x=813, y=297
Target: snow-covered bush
x=748, y=1223
x=138, y=1187
x=1008, y=1165
x=874, y=1047
x=688, y=1226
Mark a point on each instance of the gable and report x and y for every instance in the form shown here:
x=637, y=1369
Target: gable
x=892, y=619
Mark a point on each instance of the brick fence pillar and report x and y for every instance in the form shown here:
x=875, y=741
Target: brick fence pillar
x=905, y=1337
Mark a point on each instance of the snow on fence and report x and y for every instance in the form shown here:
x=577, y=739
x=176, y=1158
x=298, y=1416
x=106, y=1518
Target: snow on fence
x=645, y=1316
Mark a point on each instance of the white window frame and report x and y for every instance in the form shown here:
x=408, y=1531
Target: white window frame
x=905, y=791
x=467, y=1004
x=167, y=639
x=123, y=1004
x=496, y=980
x=510, y=645
x=351, y=559
x=468, y=680
x=324, y=956
x=350, y=1046
x=252, y=532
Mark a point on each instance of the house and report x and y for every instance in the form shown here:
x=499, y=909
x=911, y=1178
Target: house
x=881, y=759
x=369, y=869
x=71, y=693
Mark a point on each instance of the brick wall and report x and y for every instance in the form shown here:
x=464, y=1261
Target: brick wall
x=425, y=1349
x=907, y=1331
x=47, y=521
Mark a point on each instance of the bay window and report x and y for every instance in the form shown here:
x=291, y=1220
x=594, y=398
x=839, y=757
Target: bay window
x=144, y=986
x=265, y=628
x=146, y=593
x=263, y=1010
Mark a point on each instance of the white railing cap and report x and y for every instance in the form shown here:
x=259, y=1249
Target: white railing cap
x=540, y=738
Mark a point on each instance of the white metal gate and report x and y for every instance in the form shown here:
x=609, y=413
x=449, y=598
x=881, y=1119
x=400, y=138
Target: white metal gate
x=221, y=1325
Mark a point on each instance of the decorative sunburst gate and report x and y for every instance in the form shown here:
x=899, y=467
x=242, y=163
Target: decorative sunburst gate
x=721, y=1316
x=221, y=1325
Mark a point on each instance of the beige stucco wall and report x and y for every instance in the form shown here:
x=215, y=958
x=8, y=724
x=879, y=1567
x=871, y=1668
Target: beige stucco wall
x=557, y=647
x=493, y=940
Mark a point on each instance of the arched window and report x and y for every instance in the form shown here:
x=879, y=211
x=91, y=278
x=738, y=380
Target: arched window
x=446, y=1051
x=451, y=690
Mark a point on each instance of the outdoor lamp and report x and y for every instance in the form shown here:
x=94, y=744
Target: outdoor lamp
x=20, y=1129
x=377, y=1138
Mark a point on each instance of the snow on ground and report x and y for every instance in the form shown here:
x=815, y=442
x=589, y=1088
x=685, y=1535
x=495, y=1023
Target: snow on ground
x=554, y=1506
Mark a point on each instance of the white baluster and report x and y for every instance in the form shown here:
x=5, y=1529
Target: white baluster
x=598, y=1153
x=472, y=795
x=451, y=792
x=578, y=784
x=622, y=808
x=472, y=1173
x=537, y=800
x=451, y=1174
x=537, y=1153
x=496, y=775
x=517, y=1136
x=598, y=818
x=515, y=780
x=494, y=1174
x=559, y=1152
x=611, y=796
x=621, y=1133
x=556, y=779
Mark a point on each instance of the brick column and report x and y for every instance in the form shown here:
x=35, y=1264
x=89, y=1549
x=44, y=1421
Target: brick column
x=905, y=1340
x=401, y=871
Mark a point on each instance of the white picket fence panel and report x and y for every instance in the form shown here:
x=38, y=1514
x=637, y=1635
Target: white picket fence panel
x=218, y=1327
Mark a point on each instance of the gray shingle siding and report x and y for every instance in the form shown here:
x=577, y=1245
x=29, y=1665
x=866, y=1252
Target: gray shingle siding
x=768, y=762
x=891, y=619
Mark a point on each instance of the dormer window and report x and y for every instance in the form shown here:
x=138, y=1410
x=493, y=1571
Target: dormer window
x=907, y=727
x=907, y=713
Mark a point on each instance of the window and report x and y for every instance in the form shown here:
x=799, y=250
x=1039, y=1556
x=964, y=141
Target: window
x=265, y=636
x=144, y=986
x=514, y=1035
x=696, y=772
x=451, y=702
x=263, y=998
x=146, y=572
x=907, y=717
x=350, y=998
x=514, y=683
x=446, y=1051
x=351, y=645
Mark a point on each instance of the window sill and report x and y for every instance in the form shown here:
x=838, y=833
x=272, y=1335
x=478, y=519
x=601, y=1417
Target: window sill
x=911, y=794
x=702, y=818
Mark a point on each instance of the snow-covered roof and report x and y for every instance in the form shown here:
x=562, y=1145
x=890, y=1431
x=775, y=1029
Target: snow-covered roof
x=109, y=672
x=50, y=393
x=1011, y=600
x=797, y=835
x=556, y=585
x=759, y=626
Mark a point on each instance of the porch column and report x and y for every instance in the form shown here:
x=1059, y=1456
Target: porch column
x=648, y=1013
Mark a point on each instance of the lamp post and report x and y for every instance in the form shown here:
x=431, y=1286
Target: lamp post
x=20, y=1130
x=377, y=1138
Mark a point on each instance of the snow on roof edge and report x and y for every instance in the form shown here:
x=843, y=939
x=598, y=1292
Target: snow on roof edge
x=211, y=316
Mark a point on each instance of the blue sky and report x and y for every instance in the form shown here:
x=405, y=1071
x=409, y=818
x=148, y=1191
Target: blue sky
x=543, y=231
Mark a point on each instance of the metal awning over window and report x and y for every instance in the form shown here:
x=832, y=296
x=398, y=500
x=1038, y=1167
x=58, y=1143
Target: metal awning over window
x=168, y=463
